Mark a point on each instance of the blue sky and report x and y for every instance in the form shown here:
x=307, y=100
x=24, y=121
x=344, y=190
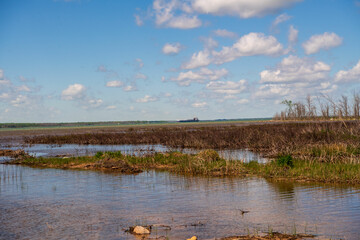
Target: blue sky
x=92, y=60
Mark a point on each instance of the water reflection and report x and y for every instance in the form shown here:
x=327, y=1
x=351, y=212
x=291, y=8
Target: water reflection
x=47, y=150
x=53, y=204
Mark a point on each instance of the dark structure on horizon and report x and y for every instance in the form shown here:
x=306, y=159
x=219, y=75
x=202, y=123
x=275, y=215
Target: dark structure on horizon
x=195, y=119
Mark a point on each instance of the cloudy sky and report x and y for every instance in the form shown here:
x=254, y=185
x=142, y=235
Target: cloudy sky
x=92, y=60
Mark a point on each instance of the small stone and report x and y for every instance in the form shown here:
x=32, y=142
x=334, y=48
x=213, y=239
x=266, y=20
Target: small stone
x=192, y=238
x=140, y=230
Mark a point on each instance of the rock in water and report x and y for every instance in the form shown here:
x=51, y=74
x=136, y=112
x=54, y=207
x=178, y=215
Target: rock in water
x=192, y=238
x=140, y=230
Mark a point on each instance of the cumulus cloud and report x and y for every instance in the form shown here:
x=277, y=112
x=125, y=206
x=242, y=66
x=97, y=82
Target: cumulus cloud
x=93, y=103
x=3, y=80
x=114, y=84
x=351, y=75
x=184, y=14
x=249, y=45
x=199, y=59
x=146, y=99
x=141, y=76
x=111, y=107
x=241, y=8
x=23, y=88
x=166, y=16
x=242, y=101
x=279, y=19
x=321, y=41
x=293, y=90
x=228, y=87
x=171, y=48
x=295, y=77
x=293, y=35
x=224, y=33
x=139, y=63
x=74, y=91
x=199, y=104
x=138, y=20
x=77, y=92
x=294, y=69
x=130, y=88
x=200, y=76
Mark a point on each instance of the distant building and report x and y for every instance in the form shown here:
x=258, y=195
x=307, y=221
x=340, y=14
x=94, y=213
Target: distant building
x=195, y=119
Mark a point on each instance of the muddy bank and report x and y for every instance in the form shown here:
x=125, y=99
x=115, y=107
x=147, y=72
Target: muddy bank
x=16, y=154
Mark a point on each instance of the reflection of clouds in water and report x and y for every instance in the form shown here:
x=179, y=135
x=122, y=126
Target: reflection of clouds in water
x=50, y=203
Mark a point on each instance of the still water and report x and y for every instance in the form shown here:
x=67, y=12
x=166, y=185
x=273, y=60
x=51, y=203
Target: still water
x=68, y=204
x=46, y=150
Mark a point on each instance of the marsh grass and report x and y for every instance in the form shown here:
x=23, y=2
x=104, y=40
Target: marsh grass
x=333, y=142
x=207, y=163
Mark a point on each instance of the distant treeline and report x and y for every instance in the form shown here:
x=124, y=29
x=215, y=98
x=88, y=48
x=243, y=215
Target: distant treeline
x=323, y=107
x=75, y=124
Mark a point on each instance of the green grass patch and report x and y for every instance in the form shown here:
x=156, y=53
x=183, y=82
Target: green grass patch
x=208, y=163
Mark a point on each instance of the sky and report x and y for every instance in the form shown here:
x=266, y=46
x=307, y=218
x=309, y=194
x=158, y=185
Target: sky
x=93, y=60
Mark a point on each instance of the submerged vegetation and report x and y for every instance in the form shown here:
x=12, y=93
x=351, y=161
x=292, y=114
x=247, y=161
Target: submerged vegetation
x=206, y=163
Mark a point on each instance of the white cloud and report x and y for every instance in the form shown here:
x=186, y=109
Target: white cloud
x=293, y=35
x=241, y=8
x=111, y=107
x=171, y=49
x=93, y=103
x=139, y=63
x=243, y=101
x=279, y=19
x=227, y=87
x=294, y=78
x=23, y=88
x=199, y=59
x=102, y=68
x=138, y=20
x=19, y=100
x=165, y=15
x=351, y=75
x=199, y=104
x=141, y=76
x=184, y=22
x=249, y=45
x=224, y=33
x=114, y=84
x=4, y=96
x=295, y=69
x=77, y=92
x=200, y=76
x=129, y=88
x=3, y=80
x=209, y=43
x=146, y=99
x=72, y=92
x=323, y=41
x=297, y=90
x=184, y=14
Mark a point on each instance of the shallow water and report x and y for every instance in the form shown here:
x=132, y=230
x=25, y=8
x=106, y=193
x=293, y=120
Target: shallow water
x=47, y=150
x=68, y=204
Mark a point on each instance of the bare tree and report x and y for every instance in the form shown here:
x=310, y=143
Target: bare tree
x=311, y=108
x=356, y=105
x=344, y=106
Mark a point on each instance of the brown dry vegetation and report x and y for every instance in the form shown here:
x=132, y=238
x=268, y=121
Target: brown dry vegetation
x=321, y=141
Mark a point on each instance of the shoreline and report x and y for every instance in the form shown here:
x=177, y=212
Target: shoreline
x=205, y=163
